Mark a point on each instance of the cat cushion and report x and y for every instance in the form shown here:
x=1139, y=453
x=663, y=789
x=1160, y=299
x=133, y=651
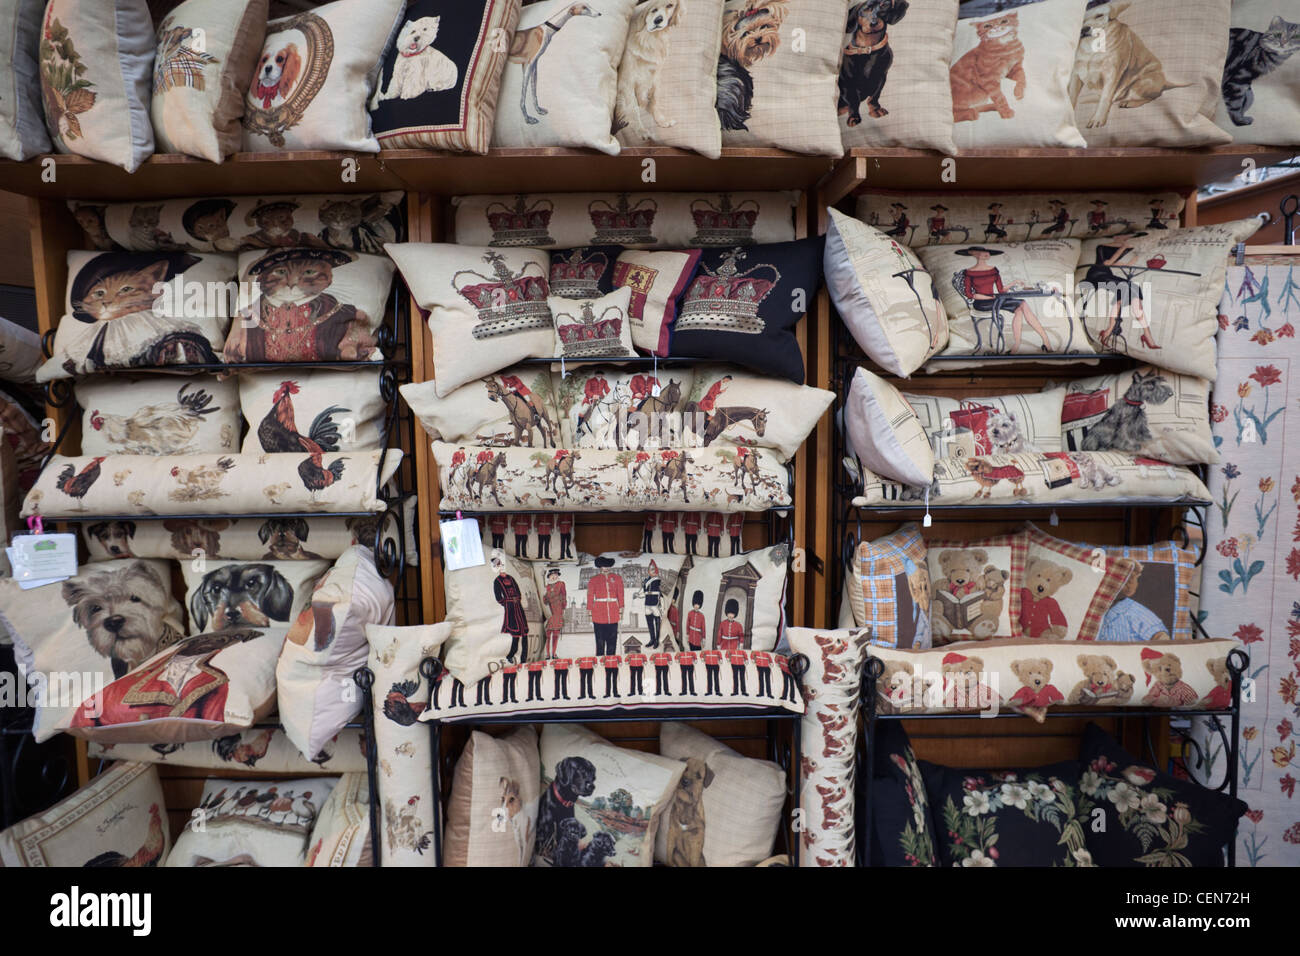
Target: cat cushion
x=726, y=603
x=266, y=750
x=339, y=411
x=887, y=584
x=497, y=780
x=657, y=281
x=252, y=823
x=315, y=75
x=159, y=415
x=884, y=433
x=20, y=353
x=1002, y=424
x=207, y=51
x=220, y=595
x=495, y=615
x=437, y=88
x=593, y=327
x=243, y=539
x=141, y=310
x=515, y=406
x=341, y=834
x=1156, y=603
x=1261, y=75
x=22, y=117
x=96, y=63
x=1066, y=589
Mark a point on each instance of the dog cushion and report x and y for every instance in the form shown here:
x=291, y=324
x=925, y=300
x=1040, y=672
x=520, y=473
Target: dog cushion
x=1066, y=589
x=496, y=616
x=266, y=750
x=883, y=295
x=159, y=415
x=887, y=584
x=341, y=835
x=961, y=428
x=593, y=327
x=261, y=594
x=207, y=51
x=883, y=431
x=975, y=587
x=740, y=598
x=601, y=804
x=244, y=539
x=903, y=823
x=1156, y=602
x=438, y=85
x=1261, y=75
x=22, y=118
x=311, y=86
x=113, y=318
x=495, y=792
x=1010, y=74
x=340, y=411
x=723, y=531
x=657, y=280
x=96, y=62
x=726, y=810
x=494, y=410
x=559, y=86
x=1169, y=79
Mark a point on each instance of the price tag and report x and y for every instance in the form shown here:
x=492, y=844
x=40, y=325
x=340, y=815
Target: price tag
x=43, y=558
x=462, y=543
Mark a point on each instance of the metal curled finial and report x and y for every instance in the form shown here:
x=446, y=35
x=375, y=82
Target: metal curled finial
x=364, y=678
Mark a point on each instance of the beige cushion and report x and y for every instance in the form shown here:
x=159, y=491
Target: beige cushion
x=264, y=749
x=658, y=280
x=252, y=823
x=470, y=413
x=1066, y=589
x=492, y=813
x=790, y=411
x=960, y=428
x=1261, y=47
x=341, y=836
x=755, y=580
x=975, y=587
x=352, y=399
x=593, y=328
x=159, y=415
x=481, y=610
x=243, y=539
x=22, y=116
x=884, y=432
x=20, y=352
x=598, y=406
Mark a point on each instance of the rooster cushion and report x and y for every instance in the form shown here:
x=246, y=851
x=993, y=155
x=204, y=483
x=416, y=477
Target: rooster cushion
x=159, y=415
x=300, y=411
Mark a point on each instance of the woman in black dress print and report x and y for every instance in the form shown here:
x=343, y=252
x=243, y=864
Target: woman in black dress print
x=506, y=590
x=1123, y=290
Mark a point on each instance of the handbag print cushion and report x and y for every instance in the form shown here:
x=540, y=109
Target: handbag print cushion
x=1262, y=74
x=966, y=427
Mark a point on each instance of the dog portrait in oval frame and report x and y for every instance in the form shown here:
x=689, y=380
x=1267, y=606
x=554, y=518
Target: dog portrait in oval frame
x=295, y=61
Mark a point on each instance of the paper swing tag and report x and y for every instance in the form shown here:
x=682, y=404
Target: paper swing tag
x=39, y=558
x=462, y=545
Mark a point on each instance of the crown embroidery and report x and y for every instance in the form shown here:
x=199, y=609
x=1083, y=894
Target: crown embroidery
x=727, y=300
x=586, y=335
x=522, y=224
x=574, y=277
x=507, y=302
x=723, y=224
x=623, y=224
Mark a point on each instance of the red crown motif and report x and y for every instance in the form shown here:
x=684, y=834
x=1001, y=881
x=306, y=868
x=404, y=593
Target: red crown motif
x=506, y=301
x=621, y=223
x=728, y=299
x=588, y=335
x=574, y=277
x=521, y=224
x=723, y=224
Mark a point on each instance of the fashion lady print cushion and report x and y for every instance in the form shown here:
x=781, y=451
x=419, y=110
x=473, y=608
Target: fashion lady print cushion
x=883, y=431
x=996, y=425
x=242, y=539
x=339, y=411
x=438, y=85
x=252, y=823
x=498, y=780
x=887, y=584
x=516, y=406
x=22, y=117
x=159, y=415
x=496, y=616
x=733, y=603
x=1261, y=74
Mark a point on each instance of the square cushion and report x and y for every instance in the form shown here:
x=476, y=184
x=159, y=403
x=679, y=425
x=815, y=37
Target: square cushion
x=593, y=327
x=734, y=602
x=601, y=804
x=976, y=587
x=96, y=64
x=315, y=75
x=1066, y=589
x=141, y=310
x=657, y=281
x=496, y=791
x=226, y=594
x=615, y=407
x=513, y=407
x=572, y=103
x=743, y=304
x=341, y=835
x=252, y=823
x=339, y=411
x=667, y=533
x=437, y=88
x=1261, y=76
x=586, y=272
x=496, y=616
x=266, y=749
x=778, y=73
x=20, y=353
x=1010, y=73
x=1181, y=72
x=963, y=427
x=22, y=115
x=883, y=431
x=667, y=80
x=207, y=51
x=245, y=539
x=159, y=415
x=887, y=585
x=1155, y=603
x=903, y=824
x=883, y=295
x=727, y=406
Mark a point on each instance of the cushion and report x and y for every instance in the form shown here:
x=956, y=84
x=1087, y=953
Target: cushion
x=22, y=117
x=727, y=807
x=883, y=295
x=495, y=614
x=1033, y=316
x=903, y=823
x=667, y=80
x=884, y=432
x=1066, y=589
x=20, y=353
x=1260, y=76
x=615, y=407
x=207, y=51
x=159, y=415
x=341, y=835
x=657, y=280
x=1151, y=818
x=315, y=75
x=227, y=594
x=1010, y=74
x=1154, y=295
x=542, y=104
x=1155, y=603
x=325, y=646
x=1181, y=70
x=493, y=411
x=1001, y=424
x=778, y=73
x=593, y=327
x=585, y=272
x=495, y=793
x=339, y=411
x=140, y=310
x=265, y=749
x=743, y=305
x=976, y=587
x=437, y=88
x=252, y=823
x=734, y=602
x=96, y=63
x=894, y=87
x=245, y=539
x=721, y=402
x=887, y=584
x=533, y=537
x=700, y=533
x=1143, y=411
x=601, y=804
x=65, y=643
x=487, y=307
x=117, y=819
x=24, y=436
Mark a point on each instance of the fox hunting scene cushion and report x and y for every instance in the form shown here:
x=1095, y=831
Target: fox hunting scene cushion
x=515, y=406
x=339, y=411
x=1000, y=425
x=616, y=408
x=244, y=539
x=159, y=415
x=727, y=406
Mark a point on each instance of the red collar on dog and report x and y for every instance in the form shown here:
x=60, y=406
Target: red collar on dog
x=1129, y=401
x=416, y=53
x=555, y=789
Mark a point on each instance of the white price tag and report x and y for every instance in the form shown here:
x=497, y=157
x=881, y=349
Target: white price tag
x=43, y=558
x=462, y=543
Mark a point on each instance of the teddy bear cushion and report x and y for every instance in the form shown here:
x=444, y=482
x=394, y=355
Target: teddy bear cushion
x=888, y=586
x=997, y=425
x=1261, y=75
x=1066, y=589
x=494, y=774
x=975, y=587
x=1156, y=602
x=159, y=415
x=22, y=119
x=903, y=825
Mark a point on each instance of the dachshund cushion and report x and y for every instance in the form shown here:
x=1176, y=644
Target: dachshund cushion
x=887, y=584
x=496, y=791
x=159, y=415
x=496, y=617
x=1261, y=74
x=996, y=425
x=225, y=594
x=22, y=117
x=339, y=411
x=884, y=433
x=341, y=835
x=246, y=539
x=264, y=749
x=516, y=406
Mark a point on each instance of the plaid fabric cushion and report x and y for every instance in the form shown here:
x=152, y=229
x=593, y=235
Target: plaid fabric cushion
x=180, y=61
x=1166, y=576
x=889, y=588
x=1063, y=584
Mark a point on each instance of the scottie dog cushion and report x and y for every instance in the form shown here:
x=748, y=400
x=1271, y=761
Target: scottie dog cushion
x=1262, y=73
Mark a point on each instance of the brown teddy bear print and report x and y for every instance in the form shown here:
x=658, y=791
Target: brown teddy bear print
x=964, y=601
x=895, y=687
x=1164, y=673
x=1103, y=682
x=1220, y=698
x=962, y=687
x=1037, y=692
x=1040, y=613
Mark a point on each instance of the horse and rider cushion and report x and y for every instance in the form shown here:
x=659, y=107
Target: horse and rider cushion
x=159, y=415
x=616, y=408
x=593, y=327
x=1001, y=424
x=513, y=407
x=884, y=433
x=1261, y=75
x=724, y=404
x=495, y=794
x=338, y=410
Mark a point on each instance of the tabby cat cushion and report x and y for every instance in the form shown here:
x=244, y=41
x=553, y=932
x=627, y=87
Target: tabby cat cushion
x=252, y=823
x=22, y=117
x=159, y=415
x=1262, y=74
x=242, y=539
x=340, y=411
x=494, y=774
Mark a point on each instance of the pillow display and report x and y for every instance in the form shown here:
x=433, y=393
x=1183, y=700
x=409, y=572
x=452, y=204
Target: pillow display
x=565, y=98
x=158, y=415
x=22, y=434
x=975, y=587
x=616, y=408
x=1010, y=74
x=316, y=72
x=339, y=411
x=437, y=87
x=1143, y=411
x=325, y=646
x=593, y=328
x=888, y=586
x=1155, y=295
x=727, y=808
x=743, y=304
x=702, y=533
x=229, y=594
x=995, y=294
x=1066, y=589
x=1152, y=818
x=22, y=118
x=20, y=353
x=496, y=792
x=903, y=829
x=601, y=804
x=736, y=408
x=532, y=536
x=583, y=273
x=118, y=819
x=883, y=294
x=90, y=629
x=884, y=432
x=516, y=406
x=495, y=613
x=734, y=602
x=242, y=539
x=778, y=75
x=894, y=87
x=96, y=62
x=1136, y=82
x=667, y=80
x=252, y=823
x=1260, y=76
x=341, y=835
x=116, y=316
x=1155, y=602
x=207, y=51
x=657, y=281
x=1000, y=425
x=487, y=307
x=266, y=750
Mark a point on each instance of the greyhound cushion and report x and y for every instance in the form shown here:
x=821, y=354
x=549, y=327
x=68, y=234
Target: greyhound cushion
x=438, y=85
x=496, y=790
x=22, y=117
x=1261, y=75
x=339, y=411
x=725, y=603
x=159, y=415
x=887, y=584
x=657, y=280
x=1157, y=601
x=903, y=825
x=264, y=749
x=975, y=587
x=999, y=425
x=732, y=407
x=516, y=406
x=244, y=539
x=601, y=805
x=595, y=327
x=616, y=408
x=726, y=810
x=1066, y=589
x=266, y=594
x=1136, y=82
x=561, y=78
x=884, y=433
x=341, y=834
x=317, y=70
x=495, y=613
